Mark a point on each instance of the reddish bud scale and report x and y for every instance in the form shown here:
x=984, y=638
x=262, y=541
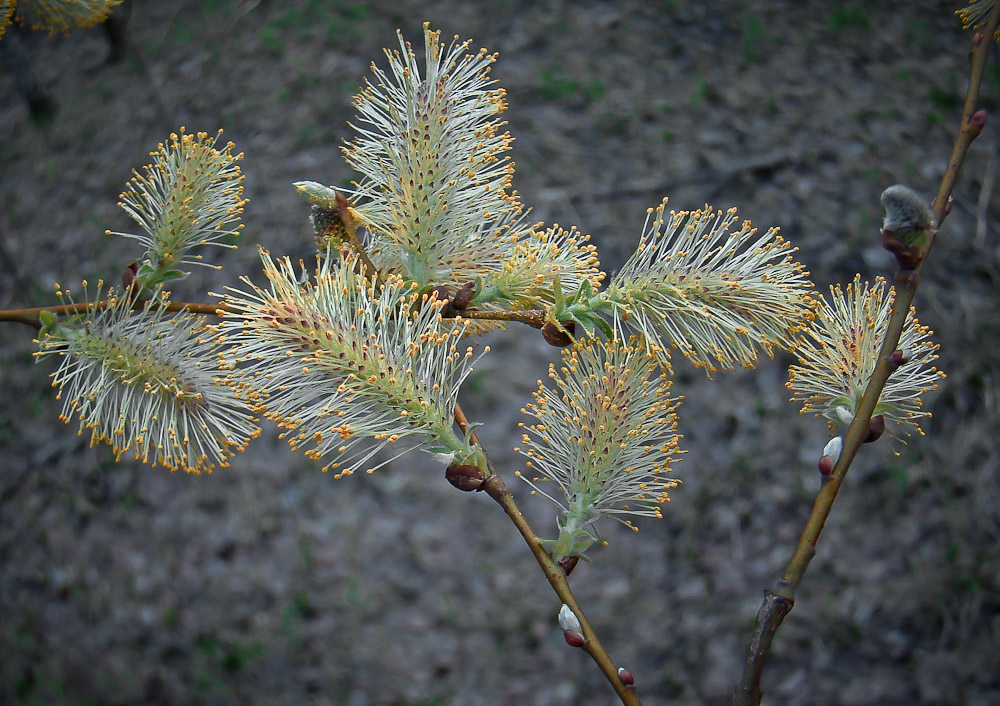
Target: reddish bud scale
x=574, y=638
x=441, y=293
x=463, y=297
x=557, y=337
x=128, y=275
x=826, y=464
x=978, y=121
x=876, y=427
x=465, y=478
x=908, y=257
x=568, y=563
x=626, y=676
x=897, y=358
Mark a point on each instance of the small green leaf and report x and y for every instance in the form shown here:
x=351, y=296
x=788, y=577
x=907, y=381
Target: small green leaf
x=585, y=292
x=586, y=322
x=169, y=275
x=557, y=296
x=603, y=325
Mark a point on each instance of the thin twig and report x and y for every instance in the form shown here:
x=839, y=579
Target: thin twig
x=532, y=317
x=30, y=316
x=497, y=489
x=779, y=602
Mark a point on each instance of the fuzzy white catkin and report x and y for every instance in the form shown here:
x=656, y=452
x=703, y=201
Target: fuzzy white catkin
x=568, y=619
x=905, y=209
x=833, y=448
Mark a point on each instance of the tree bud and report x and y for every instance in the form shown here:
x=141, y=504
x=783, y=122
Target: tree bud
x=876, y=427
x=463, y=297
x=833, y=448
x=574, y=638
x=831, y=452
x=845, y=415
x=568, y=620
x=568, y=563
x=908, y=225
x=626, y=676
x=128, y=275
x=560, y=338
x=978, y=121
x=465, y=478
x=441, y=292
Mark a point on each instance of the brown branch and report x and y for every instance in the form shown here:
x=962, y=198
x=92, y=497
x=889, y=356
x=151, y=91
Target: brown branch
x=532, y=317
x=779, y=602
x=30, y=316
x=497, y=489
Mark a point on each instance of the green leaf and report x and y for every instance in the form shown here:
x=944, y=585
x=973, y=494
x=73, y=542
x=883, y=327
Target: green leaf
x=603, y=325
x=145, y=271
x=168, y=275
x=557, y=296
x=585, y=292
x=586, y=322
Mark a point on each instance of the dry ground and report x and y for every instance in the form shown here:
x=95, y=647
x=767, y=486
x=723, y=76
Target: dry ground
x=271, y=583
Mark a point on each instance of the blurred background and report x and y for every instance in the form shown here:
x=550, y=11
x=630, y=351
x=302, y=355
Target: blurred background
x=272, y=583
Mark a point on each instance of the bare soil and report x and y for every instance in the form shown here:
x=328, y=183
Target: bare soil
x=272, y=583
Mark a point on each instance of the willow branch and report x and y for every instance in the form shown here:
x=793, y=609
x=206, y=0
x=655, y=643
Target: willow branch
x=497, y=489
x=30, y=316
x=532, y=317
x=554, y=574
x=778, y=603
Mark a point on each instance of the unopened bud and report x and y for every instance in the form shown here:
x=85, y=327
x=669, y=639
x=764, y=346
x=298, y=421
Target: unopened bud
x=440, y=292
x=574, y=638
x=977, y=121
x=465, y=478
x=626, y=676
x=568, y=620
x=831, y=452
x=128, y=275
x=905, y=209
x=897, y=358
x=463, y=297
x=876, y=427
x=559, y=337
x=908, y=225
x=833, y=448
x=315, y=193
